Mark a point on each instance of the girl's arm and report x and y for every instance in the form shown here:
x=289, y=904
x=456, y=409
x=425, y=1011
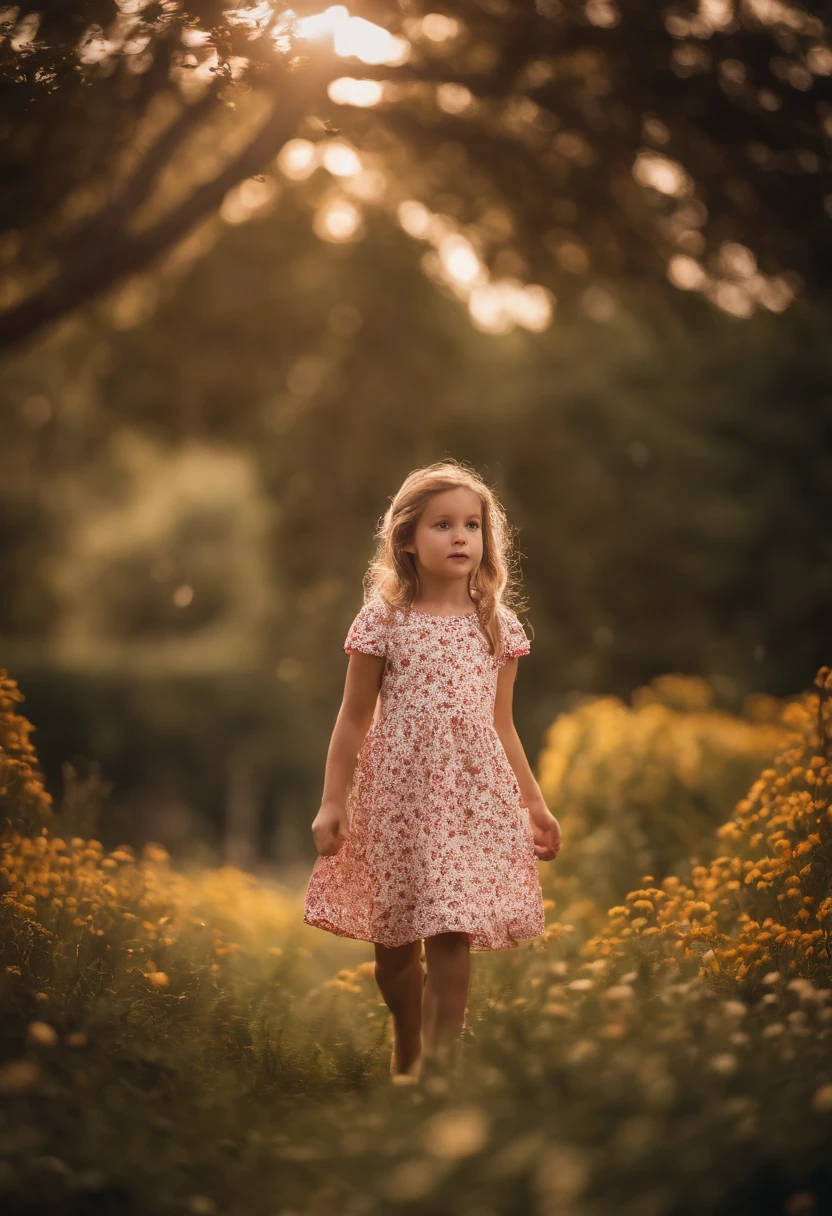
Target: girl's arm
x=361, y=690
x=530, y=791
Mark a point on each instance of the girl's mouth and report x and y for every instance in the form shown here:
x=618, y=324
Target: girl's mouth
x=458, y=557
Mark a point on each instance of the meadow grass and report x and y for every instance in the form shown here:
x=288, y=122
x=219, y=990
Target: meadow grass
x=176, y=1040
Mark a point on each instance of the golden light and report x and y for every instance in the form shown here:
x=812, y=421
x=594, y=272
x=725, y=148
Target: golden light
x=775, y=294
x=731, y=298
x=192, y=37
x=249, y=196
x=736, y=259
x=494, y=307
x=663, y=174
x=370, y=185
x=602, y=13
x=530, y=306
x=718, y=14
x=497, y=307
x=415, y=218
x=338, y=221
x=686, y=273
x=346, y=91
x=354, y=36
x=454, y=98
x=819, y=59
x=459, y=260
x=256, y=16
x=488, y=309
x=774, y=12
x=340, y=159
x=297, y=159
x=437, y=27
x=183, y=596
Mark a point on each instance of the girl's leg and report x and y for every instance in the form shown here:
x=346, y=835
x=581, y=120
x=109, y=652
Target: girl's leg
x=448, y=958
x=399, y=975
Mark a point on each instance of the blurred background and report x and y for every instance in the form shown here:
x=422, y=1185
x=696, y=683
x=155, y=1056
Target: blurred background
x=259, y=263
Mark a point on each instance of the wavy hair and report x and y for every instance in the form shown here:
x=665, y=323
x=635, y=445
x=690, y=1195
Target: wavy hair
x=392, y=575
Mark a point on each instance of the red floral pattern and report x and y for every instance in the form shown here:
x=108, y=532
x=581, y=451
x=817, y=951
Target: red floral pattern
x=439, y=839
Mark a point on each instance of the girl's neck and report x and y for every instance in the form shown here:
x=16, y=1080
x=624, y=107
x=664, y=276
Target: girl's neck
x=436, y=608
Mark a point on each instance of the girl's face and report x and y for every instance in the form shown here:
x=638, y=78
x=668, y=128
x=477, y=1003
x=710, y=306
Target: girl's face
x=450, y=525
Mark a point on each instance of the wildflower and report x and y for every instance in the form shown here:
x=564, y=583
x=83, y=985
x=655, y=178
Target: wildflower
x=619, y=992
x=804, y=988
x=772, y=1031
x=735, y=1009
x=555, y=1010
x=17, y=1075
x=155, y=853
x=583, y=1050
x=158, y=979
x=42, y=1033
x=342, y=985
x=822, y=1099
x=460, y=1132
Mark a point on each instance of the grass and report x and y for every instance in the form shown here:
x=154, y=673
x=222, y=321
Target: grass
x=177, y=1041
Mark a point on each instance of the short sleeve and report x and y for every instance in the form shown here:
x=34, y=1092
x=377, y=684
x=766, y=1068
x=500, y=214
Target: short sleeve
x=515, y=641
x=368, y=632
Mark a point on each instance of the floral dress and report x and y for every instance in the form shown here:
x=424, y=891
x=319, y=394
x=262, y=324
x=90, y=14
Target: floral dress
x=439, y=839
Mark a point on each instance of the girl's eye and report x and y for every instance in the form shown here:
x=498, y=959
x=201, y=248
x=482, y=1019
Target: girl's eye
x=442, y=522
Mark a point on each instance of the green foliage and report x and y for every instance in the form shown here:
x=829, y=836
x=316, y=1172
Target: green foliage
x=640, y=789
x=764, y=907
x=215, y=1053
x=525, y=124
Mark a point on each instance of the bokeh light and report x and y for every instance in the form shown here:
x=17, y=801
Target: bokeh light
x=354, y=36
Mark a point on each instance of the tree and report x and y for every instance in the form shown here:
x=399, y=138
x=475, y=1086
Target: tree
x=562, y=141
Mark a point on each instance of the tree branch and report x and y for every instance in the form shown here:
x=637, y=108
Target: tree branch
x=116, y=212
x=102, y=263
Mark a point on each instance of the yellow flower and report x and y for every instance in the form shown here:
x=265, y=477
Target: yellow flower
x=453, y=1134
x=42, y=1033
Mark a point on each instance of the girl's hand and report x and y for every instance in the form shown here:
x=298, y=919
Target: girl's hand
x=547, y=837
x=330, y=828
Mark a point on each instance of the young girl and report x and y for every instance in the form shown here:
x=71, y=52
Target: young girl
x=431, y=819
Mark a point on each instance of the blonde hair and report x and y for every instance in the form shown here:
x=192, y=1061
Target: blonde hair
x=392, y=575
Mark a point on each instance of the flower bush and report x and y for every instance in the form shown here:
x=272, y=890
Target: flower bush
x=765, y=903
